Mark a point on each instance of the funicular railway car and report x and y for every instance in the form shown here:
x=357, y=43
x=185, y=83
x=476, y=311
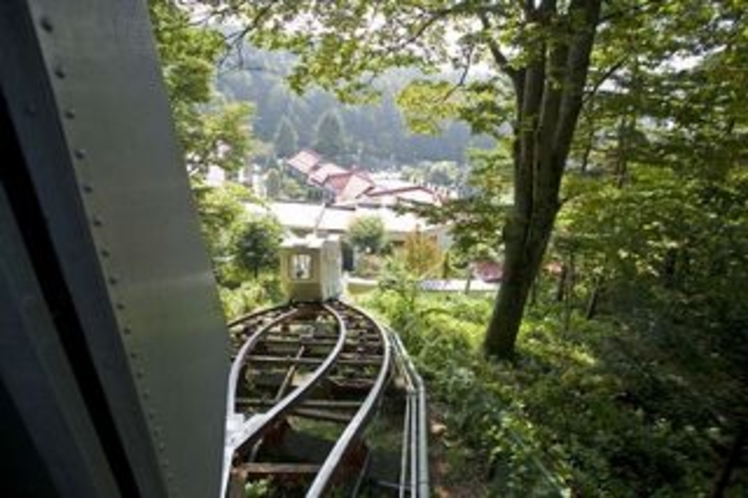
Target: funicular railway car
x=311, y=268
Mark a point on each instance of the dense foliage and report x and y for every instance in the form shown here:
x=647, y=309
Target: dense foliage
x=422, y=256
x=259, y=243
x=593, y=408
x=211, y=131
x=243, y=247
x=330, y=139
x=577, y=84
x=215, y=133
x=286, y=139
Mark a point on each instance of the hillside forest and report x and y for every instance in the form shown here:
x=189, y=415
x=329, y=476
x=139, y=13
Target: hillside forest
x=372, y=134
x=613, y=361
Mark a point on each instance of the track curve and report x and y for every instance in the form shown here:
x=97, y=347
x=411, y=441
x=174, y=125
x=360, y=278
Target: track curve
x=306, y=381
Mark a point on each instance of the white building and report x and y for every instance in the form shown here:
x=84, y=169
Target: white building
x=303, y=218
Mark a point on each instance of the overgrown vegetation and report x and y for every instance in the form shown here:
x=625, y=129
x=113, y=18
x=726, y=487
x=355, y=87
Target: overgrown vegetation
x=243, y=247
x=589, y=408
x=367, y=234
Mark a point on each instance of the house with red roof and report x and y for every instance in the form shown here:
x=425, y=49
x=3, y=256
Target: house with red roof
x=304, y=162
x=323, y=171
x=355, y=185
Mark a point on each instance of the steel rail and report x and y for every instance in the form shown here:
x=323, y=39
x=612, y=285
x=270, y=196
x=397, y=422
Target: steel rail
x=250, y=343
x=257, y=314
x=253, y=427
x=232, y=416
x=408, y=439
x=357, y=425
x=359, y=332
x=405, y=444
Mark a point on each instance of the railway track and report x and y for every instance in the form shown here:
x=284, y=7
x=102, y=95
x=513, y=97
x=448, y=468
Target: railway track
x=323, y=400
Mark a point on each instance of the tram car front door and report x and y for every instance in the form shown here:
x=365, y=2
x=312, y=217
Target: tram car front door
x=311, y=268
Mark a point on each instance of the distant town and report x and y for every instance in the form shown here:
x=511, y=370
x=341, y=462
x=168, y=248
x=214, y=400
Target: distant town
x=325, y=198
x=342, y=195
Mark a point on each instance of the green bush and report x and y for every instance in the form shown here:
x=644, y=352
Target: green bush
x=251, y=295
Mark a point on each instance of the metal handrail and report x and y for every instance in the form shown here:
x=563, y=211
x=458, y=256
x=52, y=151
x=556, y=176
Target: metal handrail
x=420, y=482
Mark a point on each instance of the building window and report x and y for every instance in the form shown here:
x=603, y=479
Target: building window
x=301, y=266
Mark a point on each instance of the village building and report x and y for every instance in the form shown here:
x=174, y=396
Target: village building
x=355, y=186
x=301, y=219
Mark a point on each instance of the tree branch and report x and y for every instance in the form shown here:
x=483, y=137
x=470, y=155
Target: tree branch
x=578, y=63
x=496, y=52
x=632, y=10
x=433, y=17
x=463, y=76
x=607, y=74
x=238, y=36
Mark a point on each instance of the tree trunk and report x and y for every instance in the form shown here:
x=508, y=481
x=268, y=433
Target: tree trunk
x=549, y=91
x=733, y=460
x=468, y=281
x=561, y=285
x=594, y=299
x=568, y=283
x=522, y=262
x=534, y=291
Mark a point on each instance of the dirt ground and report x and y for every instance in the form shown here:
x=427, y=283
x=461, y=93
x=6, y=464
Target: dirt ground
x=456, y=472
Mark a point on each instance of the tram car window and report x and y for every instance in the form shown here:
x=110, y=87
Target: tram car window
x=311, y=268
x=301, y=266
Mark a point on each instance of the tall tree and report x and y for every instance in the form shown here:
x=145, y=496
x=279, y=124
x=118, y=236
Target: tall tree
x=539, y=52
x=422, y=255
x=286, y=139
x=330, y=135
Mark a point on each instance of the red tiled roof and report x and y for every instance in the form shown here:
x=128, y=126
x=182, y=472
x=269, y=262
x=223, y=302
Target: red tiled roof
x=360, y=171
x=400, y=190
x=337, y=182
x=322, y=172
x=348, y=184
x=355, y=187
x=305, y=161
x=351, y=184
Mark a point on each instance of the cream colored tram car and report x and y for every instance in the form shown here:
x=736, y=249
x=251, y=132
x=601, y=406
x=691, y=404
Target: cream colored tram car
x=311, y=268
